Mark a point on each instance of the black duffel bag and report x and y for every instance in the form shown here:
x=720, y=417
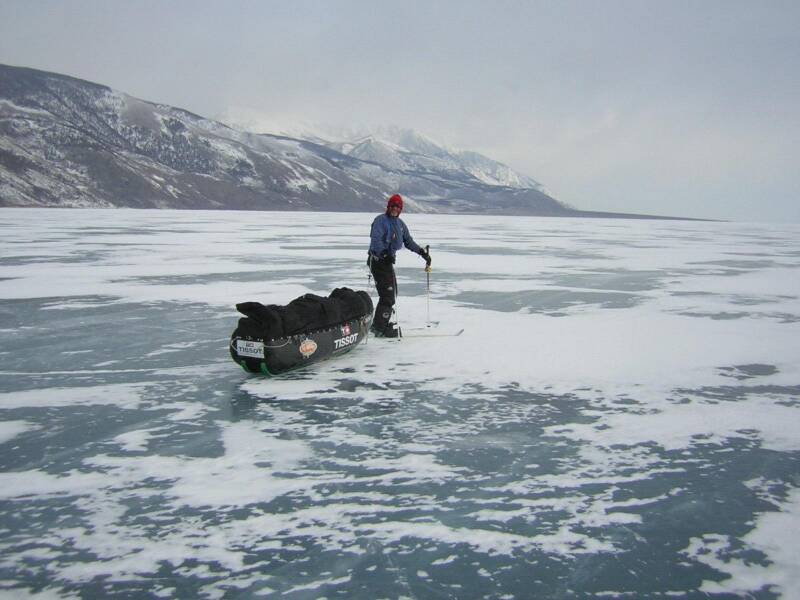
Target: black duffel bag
x=309, y=312
x=306, y=313
x=262, y=321
x=352, y=304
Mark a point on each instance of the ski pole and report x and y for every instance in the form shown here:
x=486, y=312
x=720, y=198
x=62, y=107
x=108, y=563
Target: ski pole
x=369, y=283
x=394, y=308
x=428, y=287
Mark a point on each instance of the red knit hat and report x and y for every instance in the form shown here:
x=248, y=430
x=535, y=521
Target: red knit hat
x=395, y=200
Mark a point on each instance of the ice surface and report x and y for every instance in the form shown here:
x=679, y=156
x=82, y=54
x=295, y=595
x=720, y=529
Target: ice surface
x=618, y=419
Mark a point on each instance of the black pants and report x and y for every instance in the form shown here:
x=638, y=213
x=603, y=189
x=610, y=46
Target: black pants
x=386, y=282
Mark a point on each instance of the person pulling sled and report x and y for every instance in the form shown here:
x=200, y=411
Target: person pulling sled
x=388, y=235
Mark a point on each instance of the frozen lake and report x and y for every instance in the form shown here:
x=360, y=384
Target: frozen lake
x=620, y=418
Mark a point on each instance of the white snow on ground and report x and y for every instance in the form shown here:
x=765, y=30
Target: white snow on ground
x=123, y=395
x=633, y=318
x=134, y=441
x=775, y=535
x=11, y=429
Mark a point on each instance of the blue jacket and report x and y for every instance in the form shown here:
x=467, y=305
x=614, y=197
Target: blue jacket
x=389, y=234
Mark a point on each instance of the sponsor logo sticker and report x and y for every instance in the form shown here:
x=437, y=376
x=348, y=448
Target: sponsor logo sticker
x=250, y=349
x=345, y=341
x=308, y=347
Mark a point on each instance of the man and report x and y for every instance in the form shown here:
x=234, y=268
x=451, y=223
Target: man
x=387, y=236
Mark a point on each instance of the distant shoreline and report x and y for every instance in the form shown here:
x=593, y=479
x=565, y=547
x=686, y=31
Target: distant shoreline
x=572, y=214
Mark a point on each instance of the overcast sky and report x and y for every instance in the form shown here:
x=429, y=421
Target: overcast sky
x=682, y=108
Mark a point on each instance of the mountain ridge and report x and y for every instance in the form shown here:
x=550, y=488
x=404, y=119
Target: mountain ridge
x=401, y=148
x=67, y=142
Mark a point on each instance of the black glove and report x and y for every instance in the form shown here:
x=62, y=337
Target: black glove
x=426, y=255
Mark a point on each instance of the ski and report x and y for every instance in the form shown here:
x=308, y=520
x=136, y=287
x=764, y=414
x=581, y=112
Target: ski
x=425, y=334
x=433, y=325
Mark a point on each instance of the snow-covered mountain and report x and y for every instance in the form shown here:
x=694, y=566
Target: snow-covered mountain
x=408, y=150
x=68, y=142
x=392, y=147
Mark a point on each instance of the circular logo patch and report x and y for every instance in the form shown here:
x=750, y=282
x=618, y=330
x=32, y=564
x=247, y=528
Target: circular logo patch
x=308, y=347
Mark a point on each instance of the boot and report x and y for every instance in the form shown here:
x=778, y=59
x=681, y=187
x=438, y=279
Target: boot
x=390, y=330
